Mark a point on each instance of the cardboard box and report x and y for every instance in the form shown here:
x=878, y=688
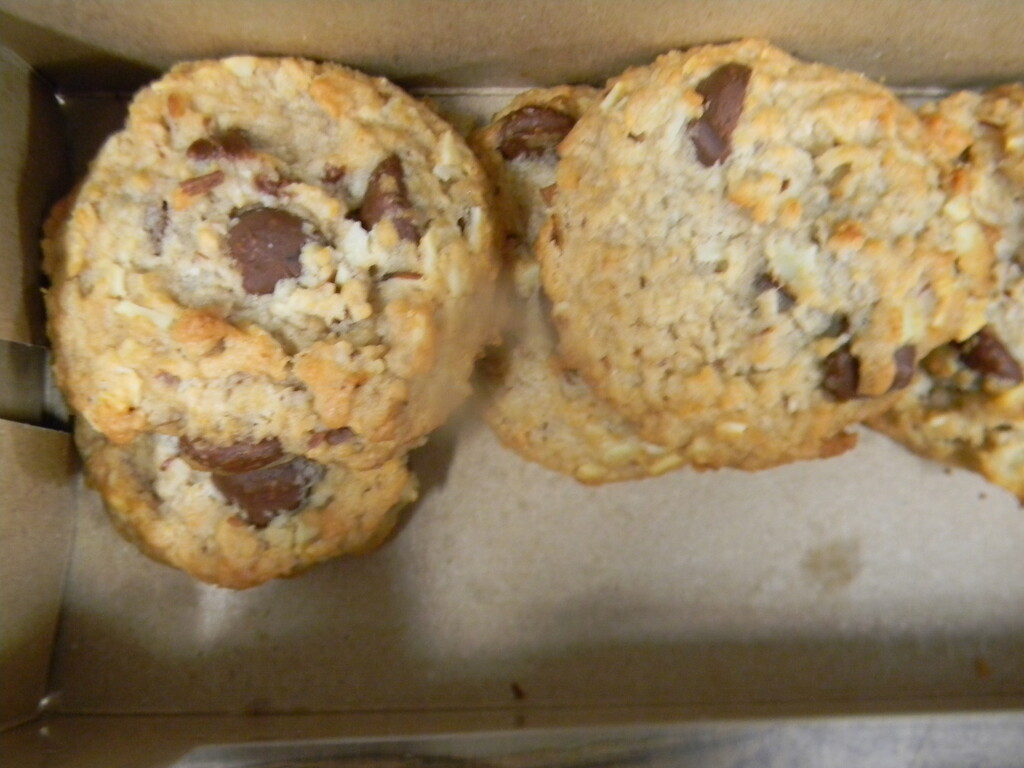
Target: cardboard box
x=512, y=598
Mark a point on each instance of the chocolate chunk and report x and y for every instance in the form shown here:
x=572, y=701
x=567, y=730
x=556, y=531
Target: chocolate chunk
x=723, y=91
x=548, y=193
x=202, y=149
x=533, y=131
x=905, y=359
x=766, y=282
x=841, y=374
x=200, y=185
x=266, y=243
x=265, y=493
x=711, y=148
x=387, y=198
x=231, y=459
x=985, y=353
x=235, y=144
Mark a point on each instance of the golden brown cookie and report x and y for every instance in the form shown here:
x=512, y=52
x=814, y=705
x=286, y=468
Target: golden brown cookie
x=274, y=249
x=741, y=254
x=535, y=405
x=267, y=518
x=966, y=406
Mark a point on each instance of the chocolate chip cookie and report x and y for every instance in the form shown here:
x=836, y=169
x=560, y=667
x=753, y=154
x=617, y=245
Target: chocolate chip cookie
x=534, y=403
x=740, y=256
x=240, y=517
x=966, y=406
x=274, y=250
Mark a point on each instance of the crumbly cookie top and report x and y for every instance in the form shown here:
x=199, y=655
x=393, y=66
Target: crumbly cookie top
x=534, y=403
x=967, y=404
x=740, y=241
x=274, y=248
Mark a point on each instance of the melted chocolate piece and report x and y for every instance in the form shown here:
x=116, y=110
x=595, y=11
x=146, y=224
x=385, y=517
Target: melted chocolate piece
x=533, y=131
x=841, y=374
x=235, y=144
x=231, y=459
x=724, y=91
x=202, y=149
x=266, y=244
x=985, y=353
x=263, y=494
x=387, y=198
x=906, y=363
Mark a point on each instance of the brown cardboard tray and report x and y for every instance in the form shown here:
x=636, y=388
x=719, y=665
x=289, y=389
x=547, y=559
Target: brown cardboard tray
x=513, y=598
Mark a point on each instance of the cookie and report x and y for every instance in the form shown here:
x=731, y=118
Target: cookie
x=744, y=254
x=535, y=405
x=274, y=249
x=238, y=527
x=966, y=406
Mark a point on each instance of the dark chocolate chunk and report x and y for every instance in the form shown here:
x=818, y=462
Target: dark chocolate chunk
x=724, y=91
x=265, y=493
x=711, y=148
x=266, y=243
x=235, y=144
x=202, y=149
x=985, y=353
x=387, y=198
x=841, y=374
x=533, y=131
x=231, y=459
x=906, y=363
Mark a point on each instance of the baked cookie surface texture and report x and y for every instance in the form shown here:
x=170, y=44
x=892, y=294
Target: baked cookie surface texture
x=742, y=254
x=273, y=283
x=966, y=406
x=240, y=530
x=538, y=407
x=274, y=249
